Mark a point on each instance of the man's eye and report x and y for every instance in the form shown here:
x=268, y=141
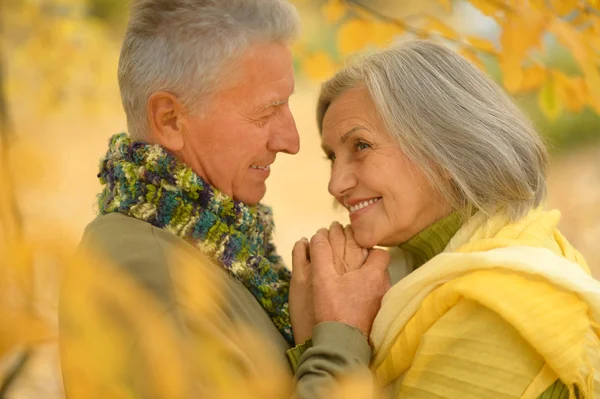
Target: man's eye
x=262, y=121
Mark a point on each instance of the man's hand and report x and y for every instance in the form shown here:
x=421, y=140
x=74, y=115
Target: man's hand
x=302, y=314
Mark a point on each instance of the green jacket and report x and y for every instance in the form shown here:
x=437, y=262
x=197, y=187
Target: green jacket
x=141, y=250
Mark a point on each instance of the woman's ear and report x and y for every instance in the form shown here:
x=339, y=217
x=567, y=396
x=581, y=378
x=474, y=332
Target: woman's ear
x=166, y=117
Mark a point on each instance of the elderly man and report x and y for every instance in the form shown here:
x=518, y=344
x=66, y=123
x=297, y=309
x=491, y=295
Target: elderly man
x=205, y=86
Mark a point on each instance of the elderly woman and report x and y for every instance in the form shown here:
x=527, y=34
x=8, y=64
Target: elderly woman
x=430, y=156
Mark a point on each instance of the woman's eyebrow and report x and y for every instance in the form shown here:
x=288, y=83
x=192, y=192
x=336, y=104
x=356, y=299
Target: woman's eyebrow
x=349, y=133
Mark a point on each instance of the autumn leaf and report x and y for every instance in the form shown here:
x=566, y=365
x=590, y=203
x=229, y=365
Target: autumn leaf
x=319, y=66
x=549, y=101
x=583, y=54
x=354, y=35
x=563, y=7
x=443, y=29
x=333, y=10
x=521, y=33
x=533, y=78
x=486, y=7
x=482, y=44
x=512, y=75
x=571, y=91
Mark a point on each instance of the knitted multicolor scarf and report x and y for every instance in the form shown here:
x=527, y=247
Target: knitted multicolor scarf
x=146, y=182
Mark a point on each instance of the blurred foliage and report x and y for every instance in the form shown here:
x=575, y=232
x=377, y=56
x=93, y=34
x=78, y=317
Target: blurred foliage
x=545, y=53
x=518, y=48
x=61, y=55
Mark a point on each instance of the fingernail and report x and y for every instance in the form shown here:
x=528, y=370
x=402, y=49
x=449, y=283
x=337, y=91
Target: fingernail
x=304, y=239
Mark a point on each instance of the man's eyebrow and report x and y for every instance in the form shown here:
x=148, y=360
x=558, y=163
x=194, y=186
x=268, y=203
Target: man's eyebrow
x=272, y=104
x=277, y=103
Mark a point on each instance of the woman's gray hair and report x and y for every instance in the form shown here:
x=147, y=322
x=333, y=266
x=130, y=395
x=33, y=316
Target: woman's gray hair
x=466, y=134
x=189, y=48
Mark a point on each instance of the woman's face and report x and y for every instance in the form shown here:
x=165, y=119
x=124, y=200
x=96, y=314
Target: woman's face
x=389, y=198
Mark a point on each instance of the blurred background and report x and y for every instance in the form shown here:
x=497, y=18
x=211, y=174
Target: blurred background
x=59, y=104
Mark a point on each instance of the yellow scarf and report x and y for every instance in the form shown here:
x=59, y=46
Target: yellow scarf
x=506, y=310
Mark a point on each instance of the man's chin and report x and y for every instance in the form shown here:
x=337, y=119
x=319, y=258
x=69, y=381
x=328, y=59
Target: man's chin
x=252, y=196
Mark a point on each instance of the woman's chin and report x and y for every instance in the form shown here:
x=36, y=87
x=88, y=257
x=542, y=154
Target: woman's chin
x=365, y=240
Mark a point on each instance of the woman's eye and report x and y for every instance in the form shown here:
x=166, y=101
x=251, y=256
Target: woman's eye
x=361, y=145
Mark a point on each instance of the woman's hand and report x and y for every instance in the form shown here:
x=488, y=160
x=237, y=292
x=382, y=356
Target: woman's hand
x=338, y=248
x=348, y=283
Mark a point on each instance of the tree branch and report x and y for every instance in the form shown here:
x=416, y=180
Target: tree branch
x=414, y=30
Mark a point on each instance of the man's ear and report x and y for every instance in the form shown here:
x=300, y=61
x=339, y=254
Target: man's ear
x=166, y=117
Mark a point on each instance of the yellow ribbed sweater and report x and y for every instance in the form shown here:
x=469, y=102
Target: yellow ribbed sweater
x=506, y=310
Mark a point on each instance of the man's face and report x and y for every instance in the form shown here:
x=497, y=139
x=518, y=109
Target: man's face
x=233, y=144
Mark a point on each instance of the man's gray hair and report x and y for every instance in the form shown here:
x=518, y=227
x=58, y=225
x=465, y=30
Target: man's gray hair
x=473, y=143
x=189, y=48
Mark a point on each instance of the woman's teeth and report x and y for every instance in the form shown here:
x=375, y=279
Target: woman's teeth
x=260, y=167
x=363, y=204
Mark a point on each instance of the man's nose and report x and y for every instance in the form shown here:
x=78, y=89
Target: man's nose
x=284, y=134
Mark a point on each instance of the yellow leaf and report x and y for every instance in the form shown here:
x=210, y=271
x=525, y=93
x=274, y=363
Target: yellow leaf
x=569, y=37
x=319, y=66
x=486, y=7
x=444, y=30
x=533, y=77
x=548, y=100
x=539, y=4
x=563, y=7
x=512, y=75
x=571, y=91
x=354, y=35
x=383, y=33
x=472, y=57
x=334, y=10
x=582, y=52
x=447, y=4
x=482, y=44
x=520, y=33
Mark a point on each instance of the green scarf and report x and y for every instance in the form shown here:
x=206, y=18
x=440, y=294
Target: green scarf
x=145, y=182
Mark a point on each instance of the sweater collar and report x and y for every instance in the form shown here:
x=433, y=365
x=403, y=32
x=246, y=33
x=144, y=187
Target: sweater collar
x=432, y=240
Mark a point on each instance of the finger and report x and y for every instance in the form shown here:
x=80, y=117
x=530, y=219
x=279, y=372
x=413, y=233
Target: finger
x=337, y=240
x=378, y=259
x=355, y=255
x=321, y=255
x=300, y=262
